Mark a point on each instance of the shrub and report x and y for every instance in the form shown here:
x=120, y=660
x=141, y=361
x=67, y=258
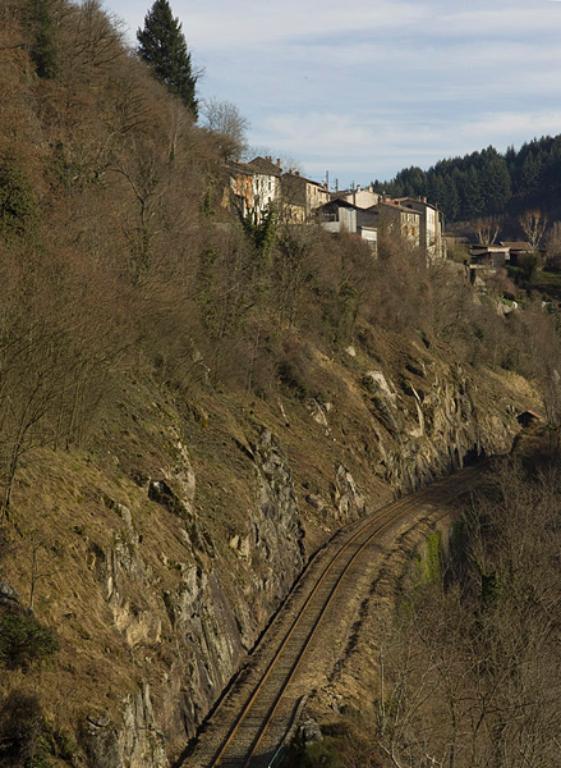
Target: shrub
x=299, y=373
x=24, y=640
x=22, y=732
x=17, y=206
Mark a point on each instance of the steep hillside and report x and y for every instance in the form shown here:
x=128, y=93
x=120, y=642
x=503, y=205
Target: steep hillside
x=162, y=553
x=190, y=408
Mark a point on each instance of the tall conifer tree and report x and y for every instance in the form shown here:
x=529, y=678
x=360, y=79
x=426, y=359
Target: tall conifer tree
x=162, y=45
x=43, y=49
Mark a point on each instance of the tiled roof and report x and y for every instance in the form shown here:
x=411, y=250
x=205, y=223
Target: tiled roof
x=398, y=207
x=265, y=166
x=299, y=177
x=241, y=168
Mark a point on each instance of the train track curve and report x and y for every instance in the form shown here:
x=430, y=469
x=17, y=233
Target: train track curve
x=253, y=718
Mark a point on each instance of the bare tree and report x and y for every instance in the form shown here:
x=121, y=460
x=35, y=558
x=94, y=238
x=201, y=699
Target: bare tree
x=487, y=230
x=224, y=118
x=469, y=674
x=534, y=226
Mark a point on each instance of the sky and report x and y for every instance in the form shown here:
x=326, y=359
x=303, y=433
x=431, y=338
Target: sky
x=364, y=88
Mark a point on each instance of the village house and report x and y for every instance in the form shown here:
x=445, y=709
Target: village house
x=519, y=249
x=301, y=197
x=266, y=184
x=340, y=216
x=397, y=220
x=240, y=193
x=254, y=187
x=432, y=226
x=485, y=261
x=490, y=256
x=257, y=186
x=359, y=197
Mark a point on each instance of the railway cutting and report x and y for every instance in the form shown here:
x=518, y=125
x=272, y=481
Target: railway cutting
x=251, y=724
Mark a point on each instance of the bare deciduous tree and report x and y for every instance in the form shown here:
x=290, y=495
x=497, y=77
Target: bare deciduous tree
x=469, y=671
x=534, y=225
x=487, y=230
x=225, y=119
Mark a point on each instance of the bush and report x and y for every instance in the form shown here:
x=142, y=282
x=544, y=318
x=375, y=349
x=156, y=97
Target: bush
x=22, y=733
x=17, y=206
x=24, y=640
x=324, y=754
x=299, y=373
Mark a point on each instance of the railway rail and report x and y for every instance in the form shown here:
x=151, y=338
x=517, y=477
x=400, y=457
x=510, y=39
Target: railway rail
x=255, y=715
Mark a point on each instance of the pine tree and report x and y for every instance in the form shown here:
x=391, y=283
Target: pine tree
x=495, y=183
x=472, y=202
x=43, y=49
x=437, y=190
x=452, y=199
x=530, y=174
x=162, y=45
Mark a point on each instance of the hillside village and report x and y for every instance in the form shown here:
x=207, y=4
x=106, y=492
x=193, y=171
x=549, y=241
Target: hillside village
x=261, y=185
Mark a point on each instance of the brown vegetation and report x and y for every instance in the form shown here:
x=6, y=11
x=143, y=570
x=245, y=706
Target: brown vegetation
x=469, y=669
x=116, y=255
x=118, y=265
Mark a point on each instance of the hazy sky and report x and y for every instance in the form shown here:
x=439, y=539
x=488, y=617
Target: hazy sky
x=366, y=87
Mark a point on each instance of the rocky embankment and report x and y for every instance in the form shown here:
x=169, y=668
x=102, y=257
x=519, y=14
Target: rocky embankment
x=162, y=559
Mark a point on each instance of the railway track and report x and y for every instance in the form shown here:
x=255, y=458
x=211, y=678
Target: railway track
x=254, y=717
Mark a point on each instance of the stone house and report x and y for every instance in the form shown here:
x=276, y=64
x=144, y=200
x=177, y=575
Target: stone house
x=240, y=194
x=301, y=197
x=397, y=220
x=431, y=234
x=253, y=187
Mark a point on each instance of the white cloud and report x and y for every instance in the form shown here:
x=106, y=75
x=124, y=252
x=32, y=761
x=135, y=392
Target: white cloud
x=503, y=125
x=256, y=24
x=380, y=143
x=369, y=86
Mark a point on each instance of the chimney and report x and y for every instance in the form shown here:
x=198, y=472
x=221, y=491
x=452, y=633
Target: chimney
x=278, y=163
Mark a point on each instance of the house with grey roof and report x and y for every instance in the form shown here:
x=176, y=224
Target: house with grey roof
x=266, y=184
x=339, y=216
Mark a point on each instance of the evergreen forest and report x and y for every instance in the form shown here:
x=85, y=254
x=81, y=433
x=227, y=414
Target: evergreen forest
x=488, y=183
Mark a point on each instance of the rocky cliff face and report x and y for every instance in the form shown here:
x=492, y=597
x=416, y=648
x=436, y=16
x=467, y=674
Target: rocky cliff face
x=169, y=571
x=443, y=426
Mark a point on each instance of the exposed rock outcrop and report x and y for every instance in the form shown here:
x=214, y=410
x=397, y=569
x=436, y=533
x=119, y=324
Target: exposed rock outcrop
x=133, y=743
x=180, y=565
